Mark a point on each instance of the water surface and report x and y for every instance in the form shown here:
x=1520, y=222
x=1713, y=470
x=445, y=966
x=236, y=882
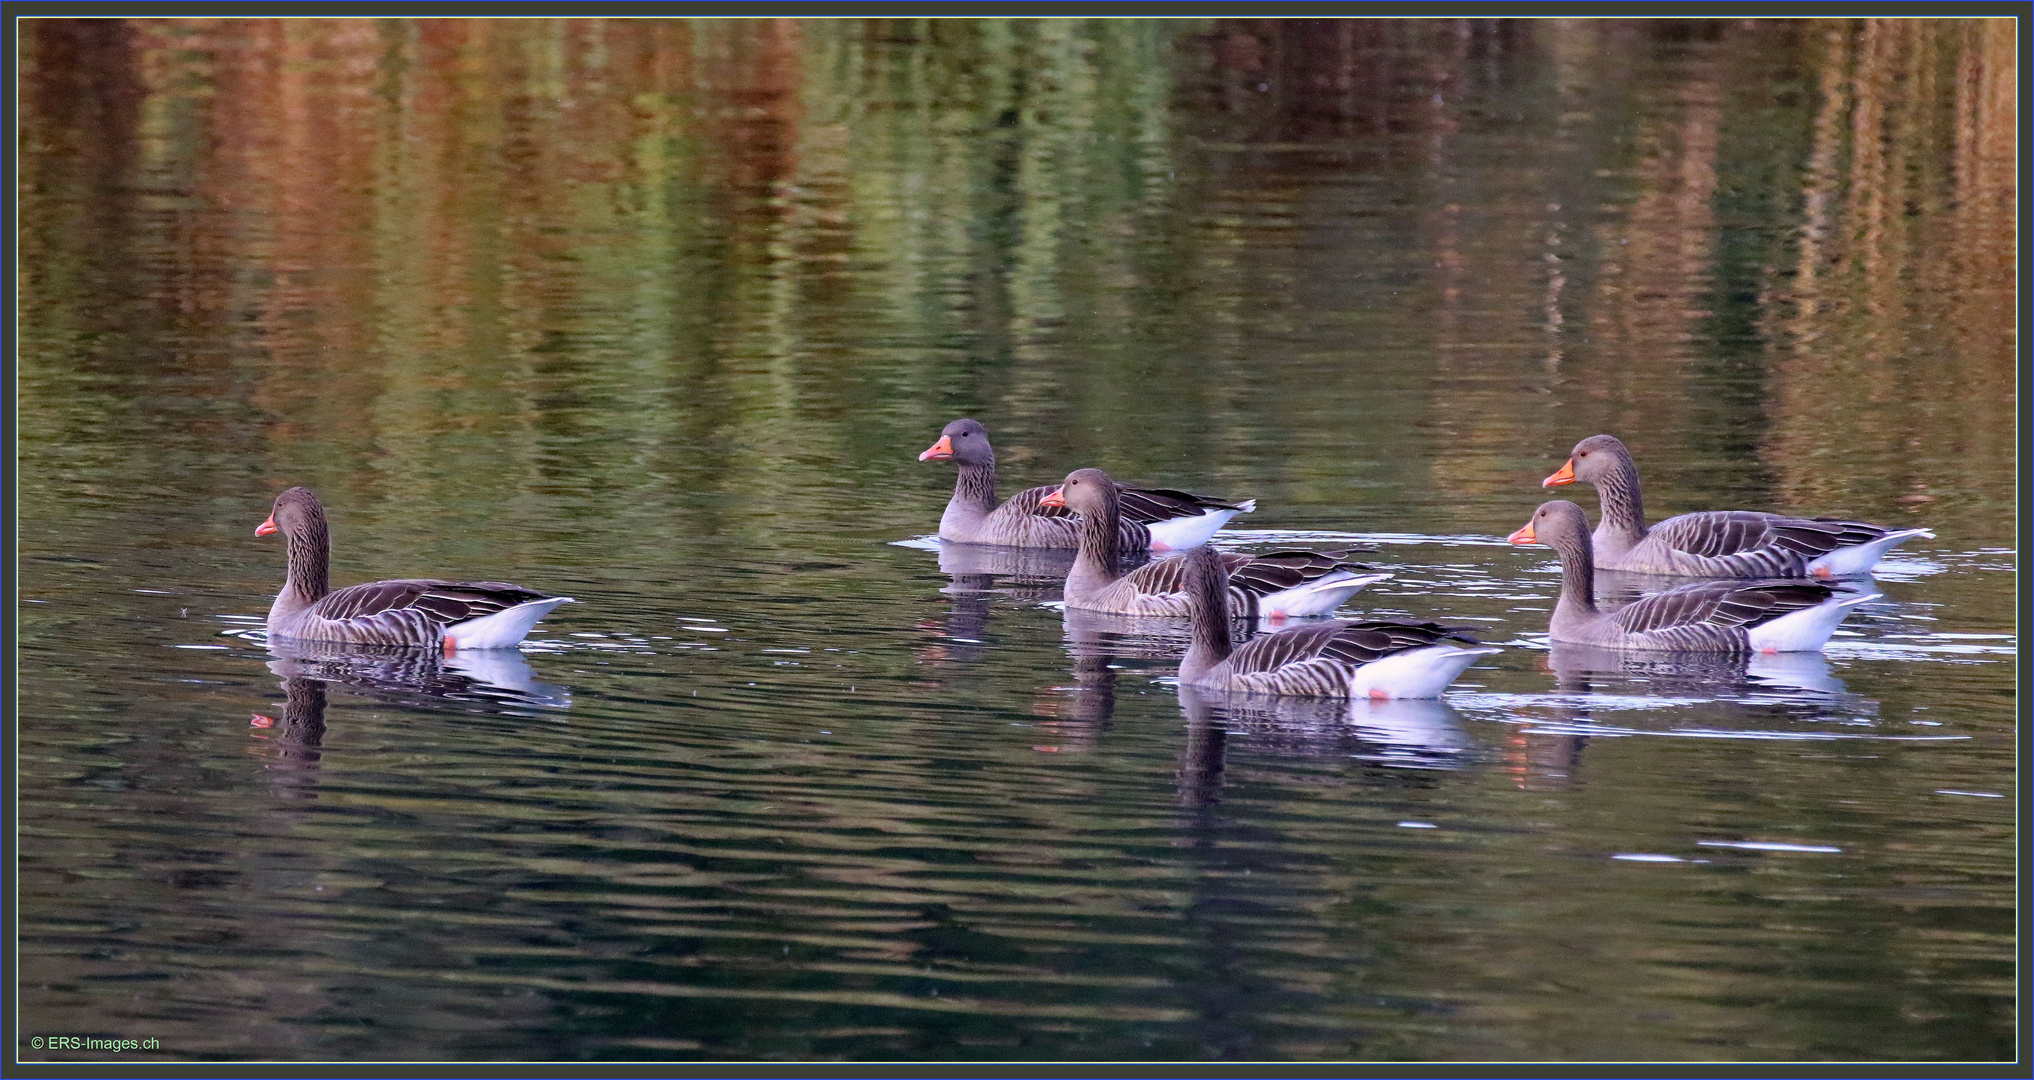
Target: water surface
x=658, y=315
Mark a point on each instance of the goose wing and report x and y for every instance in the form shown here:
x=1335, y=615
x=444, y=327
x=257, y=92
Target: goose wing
x=447, y=602
x=1719, y=603
x=1365, y=640
x=1353, y=643
x=1260, y=575
x=1729, y=532
x=1849, y=533
x=1280, y=570
x=1146, y=505
x=1272, y=652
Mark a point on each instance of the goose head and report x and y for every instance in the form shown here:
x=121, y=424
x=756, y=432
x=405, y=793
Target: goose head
x=1592, y=459
x=963, y=442
x=1555, y=522
x=1086, y=492
x=296, y=512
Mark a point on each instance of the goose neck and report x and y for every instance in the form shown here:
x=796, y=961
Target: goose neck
x=1578, y=573
x=975, y=486
x=1095, y=563
x=1622, y=505
x=1208, y=601
x=310, y=560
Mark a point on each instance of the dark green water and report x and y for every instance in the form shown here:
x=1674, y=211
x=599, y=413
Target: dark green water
x=658, y=315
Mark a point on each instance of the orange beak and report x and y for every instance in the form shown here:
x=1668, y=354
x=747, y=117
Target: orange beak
x=265, y=527
x=1053, y=498
x=938, y=451
x=1524, y=535
x=1565, y=476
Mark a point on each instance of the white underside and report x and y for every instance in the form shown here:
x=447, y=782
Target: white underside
x=1414, y=673
x=505, y=628
x=1179, y=534
x=1853, y=561
x=1320, y=596
x=1804, y=631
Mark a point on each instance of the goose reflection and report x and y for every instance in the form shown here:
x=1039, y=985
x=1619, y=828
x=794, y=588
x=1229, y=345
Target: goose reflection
x=1079, y=714
x=1415, y=733
x=294, y=738
x=1584, y=668
x=1239, y=866
x=1551, y=757
x=1144, y=637
x=1027, y=570
x=981, y=573
x=493, y=678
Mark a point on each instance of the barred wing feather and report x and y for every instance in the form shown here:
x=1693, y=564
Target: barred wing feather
x=446, y=601
x=1164, y=504
x=1721, y=604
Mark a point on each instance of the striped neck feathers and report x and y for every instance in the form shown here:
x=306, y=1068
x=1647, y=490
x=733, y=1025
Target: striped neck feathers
x=975, y=487
x=1617, y=493
x=309, y=548
x=1578, y=569
x=1208, y=602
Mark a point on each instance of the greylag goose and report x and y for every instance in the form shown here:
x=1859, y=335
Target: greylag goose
x=1275, y=586
x=1373, y=658
x=1155, y=519
x=421, y=613
x=1716, y=543
x=1784, y=615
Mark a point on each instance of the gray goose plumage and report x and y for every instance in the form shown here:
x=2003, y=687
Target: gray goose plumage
x=1154, y=519
x=416, y=612
x=1716, y=543
x=1375, y=658
x=1779, y=615
x=1279, y=585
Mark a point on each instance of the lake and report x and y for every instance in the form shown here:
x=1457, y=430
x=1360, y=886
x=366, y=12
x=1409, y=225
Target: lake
x=659, y=314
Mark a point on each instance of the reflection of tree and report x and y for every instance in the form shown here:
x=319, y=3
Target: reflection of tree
x=1893, y=351
x=664, y=249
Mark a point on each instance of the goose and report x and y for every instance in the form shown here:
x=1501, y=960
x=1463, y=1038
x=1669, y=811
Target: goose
x=420, y=613
x=1275, y=586
x=1774, y=616
x=1155, y=519
x=1372, y=658
x=1716, y=543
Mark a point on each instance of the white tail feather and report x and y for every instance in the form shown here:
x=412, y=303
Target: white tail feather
x=1414, y=673
x=1320, y=596
x=505, y=628
x=1806, y=630
x=1853, y=561
x=1180, y=534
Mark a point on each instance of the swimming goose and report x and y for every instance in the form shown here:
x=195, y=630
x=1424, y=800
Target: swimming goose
x=422, y=613
x=1157, y=519
x=1373, y=658
x=1785, y=615
x=1717, y=543
x=1276, y=586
